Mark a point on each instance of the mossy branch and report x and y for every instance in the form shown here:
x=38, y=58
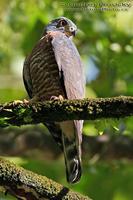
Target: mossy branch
x=15, y=113
x=22, y=183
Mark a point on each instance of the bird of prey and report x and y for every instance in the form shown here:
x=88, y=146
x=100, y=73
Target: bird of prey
x=53, y=70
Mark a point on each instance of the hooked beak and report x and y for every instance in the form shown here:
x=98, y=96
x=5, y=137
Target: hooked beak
x=70, y=31
x=70, y=34
x=73, y=33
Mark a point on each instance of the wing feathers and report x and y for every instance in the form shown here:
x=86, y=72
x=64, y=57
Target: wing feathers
x=68, y=60
x=27, y=78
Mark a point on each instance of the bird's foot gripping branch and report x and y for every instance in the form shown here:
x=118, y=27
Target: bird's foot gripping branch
x=48, y=111
x=27, y=185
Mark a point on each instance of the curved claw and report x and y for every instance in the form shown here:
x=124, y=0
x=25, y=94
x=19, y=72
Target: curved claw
x=60, y=97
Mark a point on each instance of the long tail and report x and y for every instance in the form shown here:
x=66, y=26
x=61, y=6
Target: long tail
x=68, y=136
x=72, y=151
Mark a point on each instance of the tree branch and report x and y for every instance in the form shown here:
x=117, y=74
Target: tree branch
x=88, y=109
x=23, y=183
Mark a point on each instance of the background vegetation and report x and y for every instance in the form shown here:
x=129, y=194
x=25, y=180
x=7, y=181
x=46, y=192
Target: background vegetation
x=105, y=42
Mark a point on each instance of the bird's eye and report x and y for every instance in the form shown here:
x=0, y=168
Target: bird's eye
x=71, y=29
x=62, y=23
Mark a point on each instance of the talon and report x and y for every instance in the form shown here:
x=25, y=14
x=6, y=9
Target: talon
x=17, y=102
x=60, y=97
x=32, y=102
x=54, y=98
x=26, y=101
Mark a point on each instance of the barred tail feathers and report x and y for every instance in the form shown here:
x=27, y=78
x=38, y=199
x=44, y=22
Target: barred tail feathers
x=72, y=151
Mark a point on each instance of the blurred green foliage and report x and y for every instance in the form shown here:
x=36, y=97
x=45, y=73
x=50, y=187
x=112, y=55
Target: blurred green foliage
x=105, y=42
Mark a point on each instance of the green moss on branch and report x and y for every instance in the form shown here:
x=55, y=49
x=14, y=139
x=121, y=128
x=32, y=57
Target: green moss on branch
x=87, y=109
x=23, y=183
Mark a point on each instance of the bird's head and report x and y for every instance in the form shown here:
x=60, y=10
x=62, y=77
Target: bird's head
x=63, y=25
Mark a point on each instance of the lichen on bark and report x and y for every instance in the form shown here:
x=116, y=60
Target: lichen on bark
x=23, y=183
